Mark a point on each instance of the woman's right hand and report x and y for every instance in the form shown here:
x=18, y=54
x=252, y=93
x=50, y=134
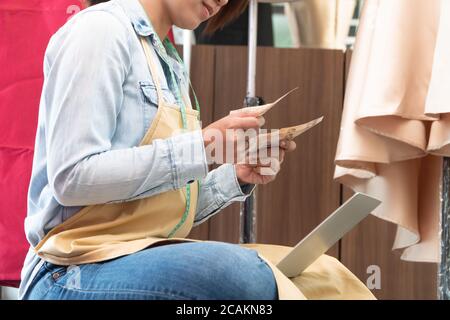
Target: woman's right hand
x=222, y=133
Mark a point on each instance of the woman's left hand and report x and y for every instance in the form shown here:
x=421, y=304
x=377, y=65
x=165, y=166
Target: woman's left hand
x=251, y=174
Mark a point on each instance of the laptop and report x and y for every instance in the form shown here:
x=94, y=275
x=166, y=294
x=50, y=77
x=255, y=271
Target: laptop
x=326, y=234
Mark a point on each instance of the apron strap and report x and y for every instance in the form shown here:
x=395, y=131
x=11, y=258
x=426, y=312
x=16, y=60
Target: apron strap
x=177, y=56
x=152, y=68
x=150, y=61
x=154, y=74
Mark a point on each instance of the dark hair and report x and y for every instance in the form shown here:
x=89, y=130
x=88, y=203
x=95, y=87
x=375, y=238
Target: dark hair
x=232, y=10
x=92, y=2
x=227, y=14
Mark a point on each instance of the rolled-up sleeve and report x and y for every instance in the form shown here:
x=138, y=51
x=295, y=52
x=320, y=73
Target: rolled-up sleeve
x=82, y=98
x=218, y=190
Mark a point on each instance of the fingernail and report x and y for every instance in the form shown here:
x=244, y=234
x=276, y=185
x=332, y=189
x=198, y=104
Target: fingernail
x=262, y=121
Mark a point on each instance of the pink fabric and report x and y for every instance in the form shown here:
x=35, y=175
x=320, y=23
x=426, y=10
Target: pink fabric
x=396, y=124
x=26, y=27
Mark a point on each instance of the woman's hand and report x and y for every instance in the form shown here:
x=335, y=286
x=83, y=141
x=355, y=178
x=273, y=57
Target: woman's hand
x=254, y=174
x=217, y=139
x=221, y=135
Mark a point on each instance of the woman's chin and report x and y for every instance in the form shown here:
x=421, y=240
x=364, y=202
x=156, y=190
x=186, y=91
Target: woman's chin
x=189, y=25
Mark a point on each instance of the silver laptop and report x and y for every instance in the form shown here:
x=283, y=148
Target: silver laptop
x=326, y=234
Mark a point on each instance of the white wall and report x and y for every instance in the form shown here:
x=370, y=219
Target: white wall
x=8, y=293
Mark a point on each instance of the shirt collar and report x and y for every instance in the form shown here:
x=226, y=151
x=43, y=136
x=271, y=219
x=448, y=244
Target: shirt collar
x=143, y=27
x=138, y=17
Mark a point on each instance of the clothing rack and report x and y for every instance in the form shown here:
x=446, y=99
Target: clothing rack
x=444, y=266
x=248, y=212
x=248, y=209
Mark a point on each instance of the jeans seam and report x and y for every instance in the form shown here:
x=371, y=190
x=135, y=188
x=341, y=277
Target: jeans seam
x=127, y=291
x=67, y=274
x=46, y=277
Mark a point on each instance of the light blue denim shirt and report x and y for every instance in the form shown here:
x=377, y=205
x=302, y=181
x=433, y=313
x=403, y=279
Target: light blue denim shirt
x=97, y=102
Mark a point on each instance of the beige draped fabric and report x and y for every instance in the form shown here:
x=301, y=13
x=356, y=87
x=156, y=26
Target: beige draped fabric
x=395, y=125
x=320, y=23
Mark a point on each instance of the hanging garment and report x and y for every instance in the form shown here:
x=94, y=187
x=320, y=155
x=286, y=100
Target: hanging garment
x=320, y=23
x=101, y=232
x=26, y=27
x=395, y=125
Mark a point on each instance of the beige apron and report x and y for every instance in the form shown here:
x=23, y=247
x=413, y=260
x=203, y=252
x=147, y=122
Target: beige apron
x=105, y=231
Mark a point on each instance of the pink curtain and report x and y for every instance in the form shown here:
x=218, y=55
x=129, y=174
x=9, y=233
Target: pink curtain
x=26, y=27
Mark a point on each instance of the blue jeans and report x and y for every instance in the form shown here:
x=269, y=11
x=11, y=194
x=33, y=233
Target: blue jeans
x=184, y=271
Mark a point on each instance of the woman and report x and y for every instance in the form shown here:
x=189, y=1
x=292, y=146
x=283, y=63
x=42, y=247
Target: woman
x=110, y=176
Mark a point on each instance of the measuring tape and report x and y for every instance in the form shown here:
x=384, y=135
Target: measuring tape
x=174, y=53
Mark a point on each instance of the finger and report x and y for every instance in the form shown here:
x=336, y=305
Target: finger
x=282, y=154
x=268, y=163
x=291, y=146
x=245, y=123
x=246, y=112
x=265, y=179
x=261, y=120
x=261, y=161
x=270, y=171
x=263, y=156
x=288, y=145
x=276, y=153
